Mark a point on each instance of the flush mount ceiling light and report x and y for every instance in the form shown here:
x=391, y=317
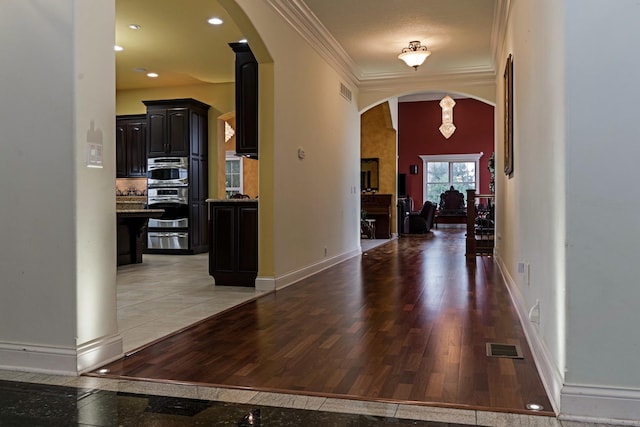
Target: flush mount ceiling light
x=414, y=55
x=215, y=21
x=447, y=128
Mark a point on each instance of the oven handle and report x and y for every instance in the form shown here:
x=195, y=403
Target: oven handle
x=164, y=183
x=167, y=201
x=157, y=204
x=165, y=166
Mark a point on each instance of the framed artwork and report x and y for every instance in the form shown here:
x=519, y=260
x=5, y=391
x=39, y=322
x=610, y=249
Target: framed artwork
x=508, y=116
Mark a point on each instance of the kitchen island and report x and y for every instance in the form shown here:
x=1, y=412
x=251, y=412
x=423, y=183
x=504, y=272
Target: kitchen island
x=132, y=221
x=233, y=242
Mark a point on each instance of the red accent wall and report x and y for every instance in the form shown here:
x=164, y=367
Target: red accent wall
x=419, y=134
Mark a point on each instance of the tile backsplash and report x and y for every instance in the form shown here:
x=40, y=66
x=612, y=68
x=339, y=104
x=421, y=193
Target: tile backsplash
x=131, y=186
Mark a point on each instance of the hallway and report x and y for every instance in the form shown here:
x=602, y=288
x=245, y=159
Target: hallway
x=405, y=323
x=441, y=374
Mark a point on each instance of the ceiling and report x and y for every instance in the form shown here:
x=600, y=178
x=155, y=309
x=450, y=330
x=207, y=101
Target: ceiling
x=176, y=41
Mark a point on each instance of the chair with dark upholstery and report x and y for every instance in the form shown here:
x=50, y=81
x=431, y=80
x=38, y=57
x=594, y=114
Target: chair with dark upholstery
x=420, y=222
x=452, y=203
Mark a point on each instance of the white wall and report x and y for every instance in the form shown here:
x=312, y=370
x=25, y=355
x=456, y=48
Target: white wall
x=560, y=213
x=94, y=119
x=49, y=257
x=315, y=199
x=602, y=94
x=531, y=203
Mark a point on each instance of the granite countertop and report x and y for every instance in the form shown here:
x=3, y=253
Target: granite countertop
x=124, y=199
x=135, y=205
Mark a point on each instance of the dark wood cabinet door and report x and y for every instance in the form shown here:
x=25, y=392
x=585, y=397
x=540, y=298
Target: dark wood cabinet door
x=137, y=148
x=246, y=235
x=156, y=133
x=131, y=151
x=233, y=233
x=222, y=256
x=246, y=100
x=199, y=227
x=121, y=149
x=178, y=131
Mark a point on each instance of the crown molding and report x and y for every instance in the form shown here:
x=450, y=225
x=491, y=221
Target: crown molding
x=307, y=24
x=473, y=78
x=500, y=20
x=298, y=15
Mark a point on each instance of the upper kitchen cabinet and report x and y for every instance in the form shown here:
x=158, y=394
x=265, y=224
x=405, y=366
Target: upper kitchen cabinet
x=131, y=146
x=246, y=100
x=174, y=127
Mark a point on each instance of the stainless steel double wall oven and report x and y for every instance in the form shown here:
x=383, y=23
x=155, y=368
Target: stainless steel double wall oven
x=168, y=189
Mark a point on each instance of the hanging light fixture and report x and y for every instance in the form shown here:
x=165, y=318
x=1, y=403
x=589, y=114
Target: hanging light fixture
x=414, y=55
x=447, y=128
x=228, y=132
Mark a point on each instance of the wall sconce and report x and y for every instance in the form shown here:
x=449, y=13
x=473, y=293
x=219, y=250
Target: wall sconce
x=414, y=55
x=447, y=128
x=413, y=169
x=228, y=132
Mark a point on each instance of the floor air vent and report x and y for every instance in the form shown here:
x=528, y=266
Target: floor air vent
x=504, y=350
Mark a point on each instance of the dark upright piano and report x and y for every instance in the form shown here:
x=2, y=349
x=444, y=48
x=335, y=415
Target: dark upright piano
x=378, y=207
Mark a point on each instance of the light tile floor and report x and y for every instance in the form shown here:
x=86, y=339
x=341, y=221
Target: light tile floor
x=167, y=293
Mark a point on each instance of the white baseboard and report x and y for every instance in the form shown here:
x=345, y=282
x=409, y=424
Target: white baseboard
x=287, y=279
x=547, y=369
x=60, y=361
x=40, y=359
x=600, y=405
x=573, y=402
x=99, y=352
x=265, y=284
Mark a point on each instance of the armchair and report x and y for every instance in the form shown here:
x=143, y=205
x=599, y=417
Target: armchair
x=420, y=222
x=452, y=203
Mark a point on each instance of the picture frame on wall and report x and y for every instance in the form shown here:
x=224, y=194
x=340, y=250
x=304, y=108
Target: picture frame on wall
x=508, y=116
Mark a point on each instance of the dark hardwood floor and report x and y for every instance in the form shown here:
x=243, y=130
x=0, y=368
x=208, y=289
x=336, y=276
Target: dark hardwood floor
x=406, y=322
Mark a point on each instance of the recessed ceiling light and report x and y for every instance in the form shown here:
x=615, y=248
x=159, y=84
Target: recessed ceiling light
x=134, y=26
x=103, y=371
x=242, y=41
x=118, y=48
x=152, y=75
x=215, y=21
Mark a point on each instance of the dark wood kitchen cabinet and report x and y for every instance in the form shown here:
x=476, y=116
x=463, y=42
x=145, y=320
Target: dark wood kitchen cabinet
x=233, y=247
x=180, y=128
x=246, y=75
x=131, y=146
x=174, y=126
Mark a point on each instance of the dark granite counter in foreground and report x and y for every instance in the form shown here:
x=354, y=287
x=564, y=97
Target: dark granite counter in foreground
x=132, y=233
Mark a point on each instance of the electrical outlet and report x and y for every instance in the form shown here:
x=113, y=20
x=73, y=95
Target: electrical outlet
x=534, y=313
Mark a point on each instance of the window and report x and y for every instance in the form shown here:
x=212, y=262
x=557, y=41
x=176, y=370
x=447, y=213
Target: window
x=444, y=171
x=233, y=174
